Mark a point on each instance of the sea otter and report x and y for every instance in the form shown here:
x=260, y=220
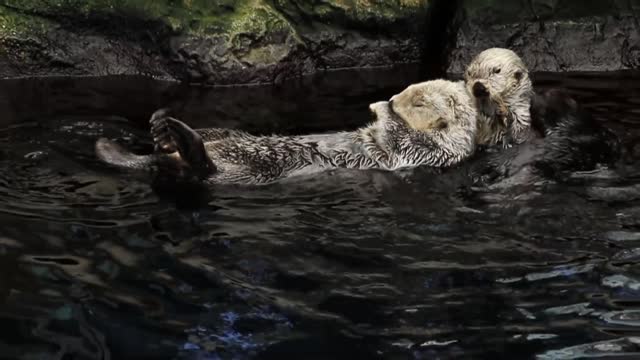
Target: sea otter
x=432, y=123
x=564, y=138
x=553, y=134
x=499, y=81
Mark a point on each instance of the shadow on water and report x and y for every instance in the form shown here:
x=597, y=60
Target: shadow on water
x=99, y=264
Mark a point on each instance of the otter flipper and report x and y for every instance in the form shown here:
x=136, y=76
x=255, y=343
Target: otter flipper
x=114, y=154
x=170, y=135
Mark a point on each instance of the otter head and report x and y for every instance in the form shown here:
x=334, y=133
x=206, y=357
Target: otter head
x=497, y=72
x=442, y=111
x=499, y=82
x=434, y=106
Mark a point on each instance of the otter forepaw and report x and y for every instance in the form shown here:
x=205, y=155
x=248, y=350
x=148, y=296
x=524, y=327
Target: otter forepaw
x=160, y=131
x=502, y=112
x=507, y=141
x=171, y=135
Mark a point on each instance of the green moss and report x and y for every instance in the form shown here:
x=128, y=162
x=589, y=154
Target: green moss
x=387, y=11
x=15, y=24
x=353, y=12
x=203, y=17
x=251, y=31
x=257, y=33
x=179, y=14
x=187, y=16
x=256, y=17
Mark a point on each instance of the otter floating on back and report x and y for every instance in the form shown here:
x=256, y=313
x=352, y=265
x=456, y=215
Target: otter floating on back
x=431, y=123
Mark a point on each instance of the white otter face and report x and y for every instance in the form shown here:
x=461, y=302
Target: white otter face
x=499, y=82
x=442, y=112
x=495, y=73
x=433, y=106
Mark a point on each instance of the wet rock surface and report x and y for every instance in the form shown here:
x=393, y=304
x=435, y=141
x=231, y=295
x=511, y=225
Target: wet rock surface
x=268, y=41
x=552, y=35
x=222, y=42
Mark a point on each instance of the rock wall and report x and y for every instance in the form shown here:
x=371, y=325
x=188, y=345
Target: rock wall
x=203, y=41
x=265, y=41
x=552, y=35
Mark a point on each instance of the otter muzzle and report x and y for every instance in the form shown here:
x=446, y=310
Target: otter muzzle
x=479, y=90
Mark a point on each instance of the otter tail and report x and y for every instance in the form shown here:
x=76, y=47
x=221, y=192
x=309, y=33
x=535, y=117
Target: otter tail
x=114, y=154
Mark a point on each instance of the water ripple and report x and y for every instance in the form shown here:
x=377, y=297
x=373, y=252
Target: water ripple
x=101, y=264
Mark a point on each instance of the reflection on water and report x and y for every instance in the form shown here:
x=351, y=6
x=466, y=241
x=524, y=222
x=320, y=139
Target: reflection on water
x=99, y=264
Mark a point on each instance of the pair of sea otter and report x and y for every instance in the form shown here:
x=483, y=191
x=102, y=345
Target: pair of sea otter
x=436, y=123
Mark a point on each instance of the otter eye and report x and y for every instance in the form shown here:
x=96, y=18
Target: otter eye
x=419, y=103
x=497, y=70
x=441, y=124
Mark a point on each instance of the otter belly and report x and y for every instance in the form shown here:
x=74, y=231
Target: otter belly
x=264, y=159
x=332, y=143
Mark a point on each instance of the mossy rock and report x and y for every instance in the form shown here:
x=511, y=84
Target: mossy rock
x=223, y=41
x=373, y=14
x=187, y=16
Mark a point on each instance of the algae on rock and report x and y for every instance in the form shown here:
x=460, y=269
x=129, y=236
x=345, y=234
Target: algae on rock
x=215, y=42
x=258, y=41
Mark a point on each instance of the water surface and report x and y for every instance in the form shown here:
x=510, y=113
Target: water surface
x=100, y=264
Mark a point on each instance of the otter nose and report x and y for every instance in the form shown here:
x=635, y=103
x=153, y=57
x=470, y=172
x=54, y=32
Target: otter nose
x=480, y=90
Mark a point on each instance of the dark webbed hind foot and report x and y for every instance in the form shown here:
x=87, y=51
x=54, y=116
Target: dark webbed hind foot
x=162, y=138
x=171, y=135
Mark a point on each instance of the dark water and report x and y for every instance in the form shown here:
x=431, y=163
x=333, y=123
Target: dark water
x=97, y=264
